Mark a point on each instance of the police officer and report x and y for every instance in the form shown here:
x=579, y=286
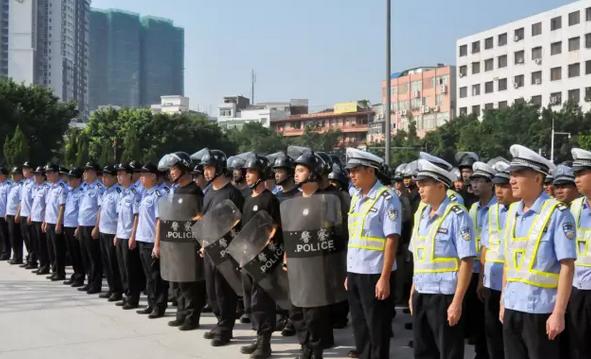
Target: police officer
x=443, y=248
x=144, y=235
x=492, y=259
x=73, y=195
x=579, y=318
x=565, y=189
x=5, y=185
x=198, y=177
x=482, y=188
x=262, y=306
x=539, y=262
x=107, y=228
x=283, y=169
x=12, y=218
x=236, y=166
x=548, y=185
x=54, y=220
x=465, y=161
x=36, y=219
x=92, y=190
x=221, y=297
x=136, y=167
x=374, y=231
x=23, y=216
x=128, y=259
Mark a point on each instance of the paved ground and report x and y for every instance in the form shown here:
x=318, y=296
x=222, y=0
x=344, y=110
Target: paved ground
x=43, y=319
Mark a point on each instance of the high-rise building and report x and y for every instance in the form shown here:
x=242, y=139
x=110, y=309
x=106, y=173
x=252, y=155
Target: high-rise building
x=4, y=4
x=134, y=61
x=48, y=46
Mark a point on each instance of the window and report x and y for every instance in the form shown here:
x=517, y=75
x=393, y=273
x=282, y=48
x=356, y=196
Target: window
x=502, y=61
x=519, y=101
x=555, y=23
x=475, y=67
x=463, y=50
x=574, y=18
x=519, y=57
x=555, y=73
x=519, y=33
x=476, y=110
x=502, y=40
x=489, y=64
x=463, y=111
x=476, y=90
x=463, y=92
x=587, y=94
x=536, y=29
x=574, y=70
x=536, y=53
x=488, y=43
x=536, y=78
x=574, y=43
x=489, y=106
x=536, y=100
x=502, y=104
x=587, y=67
x=476, y=47
x=518, y=81
x=588, y=41
x=502, y=84
x=463, y=70
x=488, y=87
x=556, y=48
x=588, y=14
x=574, y=95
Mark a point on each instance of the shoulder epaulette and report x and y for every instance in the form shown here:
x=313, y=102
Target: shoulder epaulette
x=157, y=193
x=457, y=209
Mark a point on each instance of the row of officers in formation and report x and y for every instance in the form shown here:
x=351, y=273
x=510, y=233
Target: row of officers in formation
x=495, y=253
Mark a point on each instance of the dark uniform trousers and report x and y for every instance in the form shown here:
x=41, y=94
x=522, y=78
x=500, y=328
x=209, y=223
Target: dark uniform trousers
x=246, y=295
x=91, y=257
x=312, y=326
x=473, y=315
x=38, y=241
x=26, y=235
x=5, y=239
x=131, y=271
x=57, y=250
x=156, y=287
x=221, y=298
x=191, y=298
x=492, y=325
x=524, y=335
x=433, y=337
x=73, y=247
x=16, y=239
x=109, y=263
x=263, y=308
x=579, y=323
x=371, y=318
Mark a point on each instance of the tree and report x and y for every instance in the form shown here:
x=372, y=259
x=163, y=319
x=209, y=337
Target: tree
x=131, y=146
x=16, y=149
x=317, y=141
x=255, y=137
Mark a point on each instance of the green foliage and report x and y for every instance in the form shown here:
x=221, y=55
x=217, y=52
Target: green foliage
x=255, y=137
x=325, y=141
x=16, y=149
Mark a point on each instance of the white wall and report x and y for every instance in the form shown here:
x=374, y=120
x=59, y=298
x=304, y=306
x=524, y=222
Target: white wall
x=21, y=41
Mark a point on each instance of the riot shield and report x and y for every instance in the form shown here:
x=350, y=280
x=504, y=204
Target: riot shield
x=261, y=258
x=215, y=232
x=316, y=249
x=179, y=252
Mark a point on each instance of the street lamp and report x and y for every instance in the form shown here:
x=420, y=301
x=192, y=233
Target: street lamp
x=553, y=133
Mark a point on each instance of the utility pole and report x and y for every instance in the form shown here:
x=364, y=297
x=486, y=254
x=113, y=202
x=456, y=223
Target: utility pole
x=388, y=84
x=253, y=79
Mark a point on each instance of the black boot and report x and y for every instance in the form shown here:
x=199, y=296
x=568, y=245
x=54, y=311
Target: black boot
x=306, y=353
x=263, y=348
x=250, y=348
x=317, y=353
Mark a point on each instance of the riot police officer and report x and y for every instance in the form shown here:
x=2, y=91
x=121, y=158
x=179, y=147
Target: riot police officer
x=283, y=169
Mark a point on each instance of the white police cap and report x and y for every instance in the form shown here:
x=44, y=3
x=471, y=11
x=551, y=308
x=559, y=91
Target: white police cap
x=410, y=170
x=427, y=169
x=440, y=162
x=481, y=169
x=581, y=159
x=524, y=158
x=501, y=167
x=563, y=175
x=357, y=157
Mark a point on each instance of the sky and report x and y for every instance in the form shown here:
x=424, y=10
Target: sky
x=327, y=51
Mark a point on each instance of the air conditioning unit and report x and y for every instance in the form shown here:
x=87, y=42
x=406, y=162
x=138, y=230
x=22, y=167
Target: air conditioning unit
x=516, y=85
x=517, y=38
x=425, y=109
x=538, y=61
x=537, y=81
x=404, y=112
x=462, y=74
x=443, y=88
x=436, y=109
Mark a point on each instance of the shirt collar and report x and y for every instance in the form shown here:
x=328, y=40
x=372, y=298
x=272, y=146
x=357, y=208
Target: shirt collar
x=537, y=206
x=492, y=201
x=441, y=210
x=372, y=192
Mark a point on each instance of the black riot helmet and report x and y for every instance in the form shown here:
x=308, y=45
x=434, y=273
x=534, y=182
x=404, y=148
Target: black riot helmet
x=337, y=174
x=285, y=162
x=325, y=162
x=261, y=165
x=312, y=162
x=178, y=159
x=216, y=158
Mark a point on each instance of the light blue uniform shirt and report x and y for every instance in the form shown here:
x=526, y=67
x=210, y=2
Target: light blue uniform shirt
x=454, y=239
x=4, y=189
x=582, y=278
x=492, y=276
x=481, y=221
x=147, y=214
x=139, y=187
x=26, y=197
x=554, y=247
x=89, y=205
x=13, y=199
x=458, y=198
x=127, y=207
x=384, y=219
x=56, y=197
x=39, y=199
x=72, y=204
x=108, y=203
